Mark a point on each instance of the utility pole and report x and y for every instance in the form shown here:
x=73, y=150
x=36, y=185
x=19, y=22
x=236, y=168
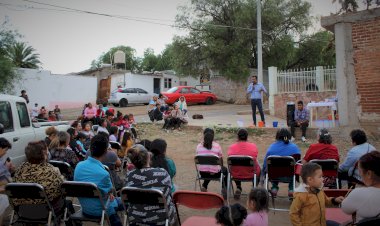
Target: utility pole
x=259, y=44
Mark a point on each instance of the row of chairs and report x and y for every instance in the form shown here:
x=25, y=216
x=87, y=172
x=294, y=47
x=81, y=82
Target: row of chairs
x=276, y=167
x=44, y=213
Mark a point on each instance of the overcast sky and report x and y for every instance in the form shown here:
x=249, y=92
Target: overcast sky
x=68, y=42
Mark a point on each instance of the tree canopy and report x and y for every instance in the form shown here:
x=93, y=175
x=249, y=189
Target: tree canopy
x=7, y=69
x=131, y=62
x=23, y=56
x=222, y=36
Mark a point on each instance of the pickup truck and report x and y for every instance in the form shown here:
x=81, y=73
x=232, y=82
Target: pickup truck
x=17, y=127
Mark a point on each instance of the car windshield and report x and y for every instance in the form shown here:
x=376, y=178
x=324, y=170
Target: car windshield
x=172, y=90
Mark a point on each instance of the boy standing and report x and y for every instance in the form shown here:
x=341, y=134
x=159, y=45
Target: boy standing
x=309, y=204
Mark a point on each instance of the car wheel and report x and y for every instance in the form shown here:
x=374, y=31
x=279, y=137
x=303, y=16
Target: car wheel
x=209, y=101
x=123, y=102
x=115, y=105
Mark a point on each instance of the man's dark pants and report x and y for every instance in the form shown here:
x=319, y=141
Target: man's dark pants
x=258, y=103
x=303, y=126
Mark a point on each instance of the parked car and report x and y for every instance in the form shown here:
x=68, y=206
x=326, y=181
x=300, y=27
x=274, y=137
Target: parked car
x=17, y=127
x=124, y=96
x=192, y=95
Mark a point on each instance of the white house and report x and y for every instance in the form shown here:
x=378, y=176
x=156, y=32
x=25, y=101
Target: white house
x=47, y=89
x=109, y=79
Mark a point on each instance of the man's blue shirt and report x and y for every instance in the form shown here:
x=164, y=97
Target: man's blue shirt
x=92, y=170
x=255, y=90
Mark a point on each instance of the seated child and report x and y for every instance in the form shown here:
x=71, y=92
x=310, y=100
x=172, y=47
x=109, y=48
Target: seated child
x=126, y=144
x=233, y=215
x=309, y=204
x=258, y=203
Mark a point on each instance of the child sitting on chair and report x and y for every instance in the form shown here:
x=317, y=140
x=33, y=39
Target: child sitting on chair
x=309, y=204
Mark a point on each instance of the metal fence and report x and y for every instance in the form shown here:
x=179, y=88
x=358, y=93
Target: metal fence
x=306, y=80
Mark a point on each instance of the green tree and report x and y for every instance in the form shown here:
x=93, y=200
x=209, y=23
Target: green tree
x=352, y=5
x=8, y=73
x=165, y=59
x=131, y=62
x=23, y=56
x=149, y=62
x=314, y=50
x=222, y=35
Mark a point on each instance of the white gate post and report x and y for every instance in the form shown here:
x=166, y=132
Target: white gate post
x=320, y=81
x=272, y=87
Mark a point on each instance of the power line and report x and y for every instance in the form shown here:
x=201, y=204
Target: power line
x=135, y=18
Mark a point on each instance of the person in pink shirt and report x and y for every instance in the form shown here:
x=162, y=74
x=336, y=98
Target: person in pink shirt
x=243, y=147
x=257, y=203
x=89, y=113
x=210, y=147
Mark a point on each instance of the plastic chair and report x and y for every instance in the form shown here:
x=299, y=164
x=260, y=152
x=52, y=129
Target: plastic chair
x=329, y=168
x=65, y=169
x=42, y=213
x=78, y=189
x=373, y=221
x=336, y=192
x=280, y=166
x=131, y=196
x=240, y=161
x=210, y=160
x=199, y=201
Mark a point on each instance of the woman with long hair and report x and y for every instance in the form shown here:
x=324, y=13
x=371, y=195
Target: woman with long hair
x=160, y=160
x=209, y=147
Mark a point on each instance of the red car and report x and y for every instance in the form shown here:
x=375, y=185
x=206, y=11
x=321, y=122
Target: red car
x=192, y=95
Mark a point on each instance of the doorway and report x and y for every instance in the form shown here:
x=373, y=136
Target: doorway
x=157, y=85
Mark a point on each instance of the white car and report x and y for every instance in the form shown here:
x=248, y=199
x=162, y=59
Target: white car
x=124, y=96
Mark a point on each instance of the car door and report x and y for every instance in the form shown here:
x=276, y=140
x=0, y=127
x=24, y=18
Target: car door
x=26, y=130
x=144, y=96
x=196, y=95
x=185, y=91
x=131, y=95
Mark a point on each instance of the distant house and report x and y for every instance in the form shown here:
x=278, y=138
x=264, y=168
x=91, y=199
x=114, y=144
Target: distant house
x=109, y=79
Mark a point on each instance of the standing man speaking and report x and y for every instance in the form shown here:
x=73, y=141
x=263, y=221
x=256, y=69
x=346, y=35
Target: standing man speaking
x=255, y=88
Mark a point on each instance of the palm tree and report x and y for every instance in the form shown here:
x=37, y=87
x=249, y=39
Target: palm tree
x=23, y=56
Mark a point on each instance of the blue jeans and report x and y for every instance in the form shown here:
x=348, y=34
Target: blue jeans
x=259, y=104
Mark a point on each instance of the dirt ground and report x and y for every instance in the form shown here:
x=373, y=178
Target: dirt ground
x=182, y=145
x=181, y=148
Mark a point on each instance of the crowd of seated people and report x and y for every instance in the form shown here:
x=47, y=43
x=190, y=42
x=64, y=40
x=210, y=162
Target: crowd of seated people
x=174, y=116
x=148, y=166
x=42, y=114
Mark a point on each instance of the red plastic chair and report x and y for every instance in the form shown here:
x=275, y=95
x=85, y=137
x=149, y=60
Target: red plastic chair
x=336, y=192
x=199, y=201
x=329, y=168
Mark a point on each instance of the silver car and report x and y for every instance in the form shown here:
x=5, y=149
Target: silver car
x=125, y=96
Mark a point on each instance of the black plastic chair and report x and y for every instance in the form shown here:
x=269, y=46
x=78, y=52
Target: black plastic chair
x=65, y=169
x=78, y=189
x=42, y=213
x=210, y=160
x=143, y=196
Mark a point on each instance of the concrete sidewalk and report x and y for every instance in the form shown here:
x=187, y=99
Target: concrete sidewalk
x=229, y=116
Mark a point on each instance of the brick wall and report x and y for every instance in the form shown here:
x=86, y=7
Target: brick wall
x=229, y=91
x=280, y=101
x=366, y=44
